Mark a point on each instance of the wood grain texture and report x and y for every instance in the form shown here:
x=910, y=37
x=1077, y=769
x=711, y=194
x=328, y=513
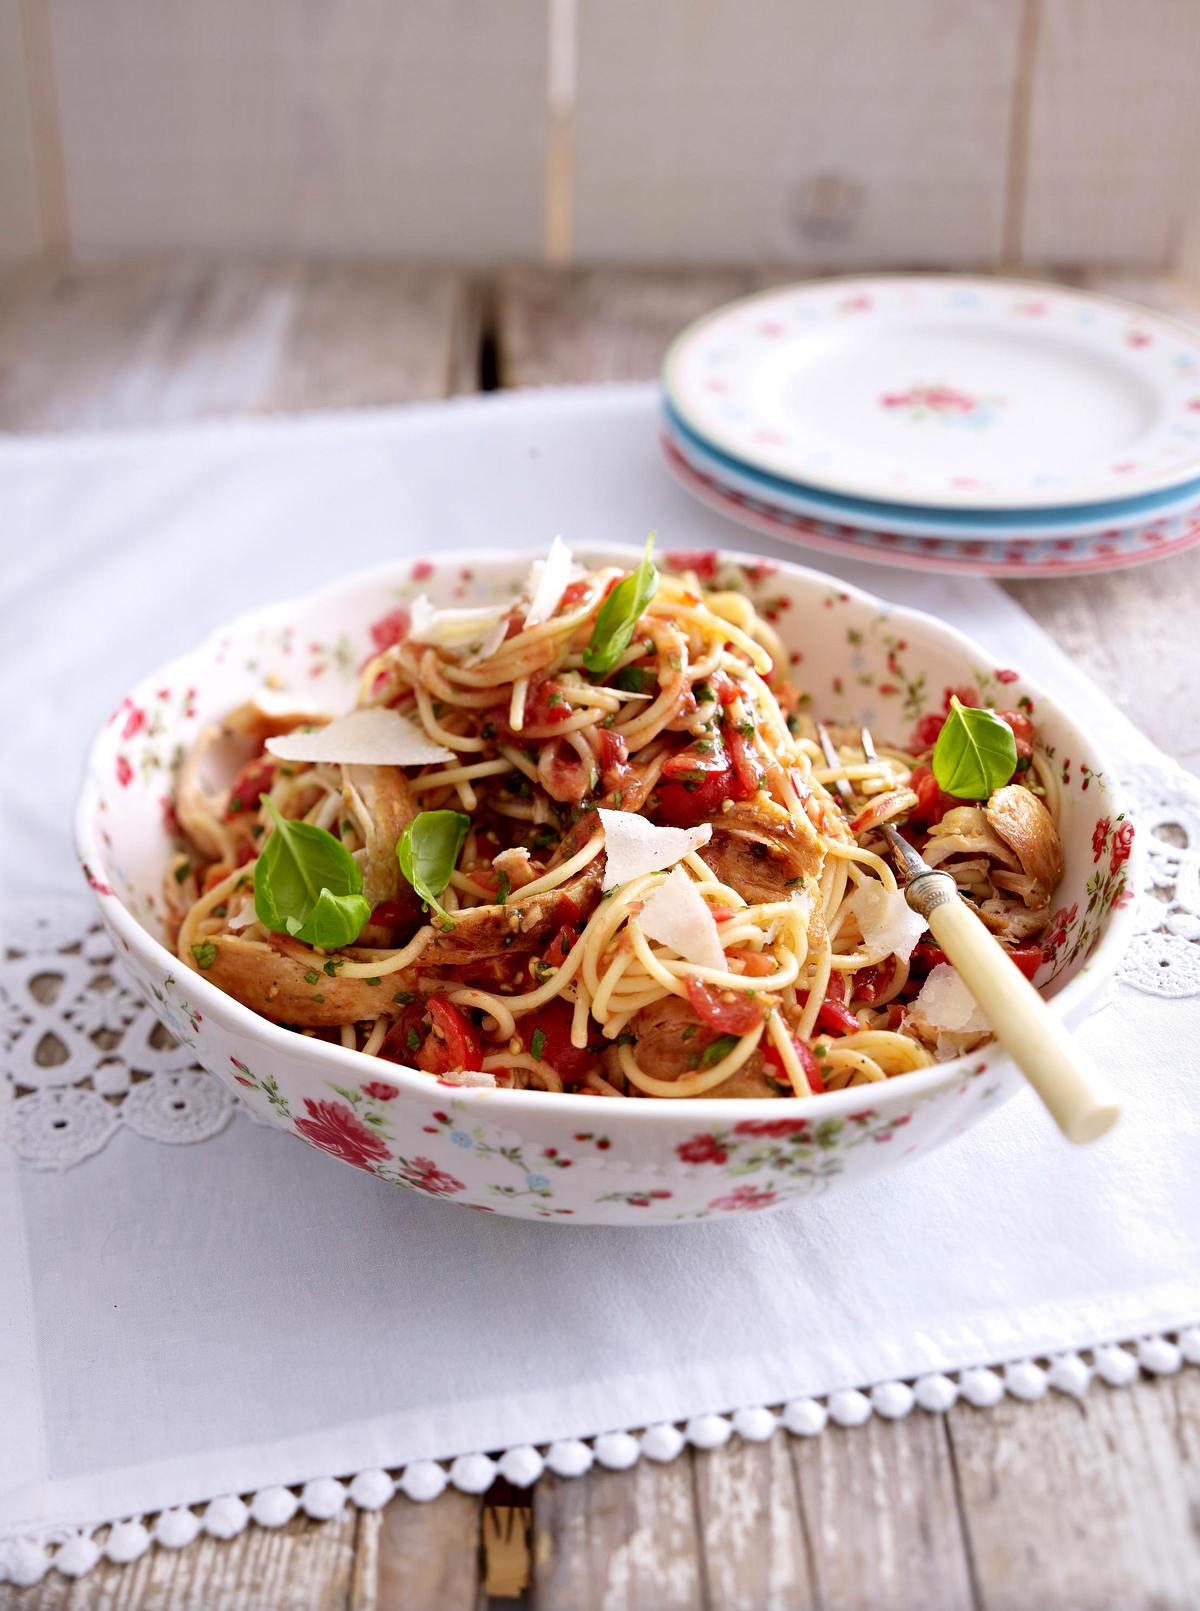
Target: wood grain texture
x=754, y=1529
x=1114, y=132
x=345, y=125
x=20, y=219
x=304, y=1566
x=861, y=134
x=619, y=1541
x=415, y=1555
x=1085, y=1506
x=173, y=339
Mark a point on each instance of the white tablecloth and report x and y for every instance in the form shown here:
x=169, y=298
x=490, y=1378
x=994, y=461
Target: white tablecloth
x=179, y=1322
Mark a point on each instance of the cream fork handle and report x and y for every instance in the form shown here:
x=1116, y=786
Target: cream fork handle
x=1036, y=1040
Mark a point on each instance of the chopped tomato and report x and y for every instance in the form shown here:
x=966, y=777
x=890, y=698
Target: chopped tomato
x=545, y=702
x=834, y=1017
x=574, y=593
x=1022, y=731
x=683, y=805
x=411, y=1039
x=812, y=1069
x=747, y=774
x=754, y=964
x=932, y=805
x=559, y=949
x=731, y=1017
x=870, y=983
x=390, y=914
x=1028, y=958
x=614, y=759
x=895, y=1015
x=254, y=779
x=571, y=1063
x=213, y=876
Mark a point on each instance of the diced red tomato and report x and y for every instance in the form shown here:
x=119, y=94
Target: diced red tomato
x=753, y=963
x=812, y=1069
x=559, y=949
x=870, y=983
x=545, y=703
x=895, y=1015
x=834, y=1017
x=747, y=774
x=1028, y=958
x=411, y=1040
x=253, y=780
x=1022, y=730
x=390, y=914
x=571, y=1063
x=926, y=956
x=682, y=806
x=736, y=1017
x=932, y=805
x=614, y=759
x=574, y=593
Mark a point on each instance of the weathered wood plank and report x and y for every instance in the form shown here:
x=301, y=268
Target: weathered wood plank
x=754, y=1529
x=619, y=1541
x=304, y=1566
x=172, y=339
x=419, y=1555
x=1085, y=1506
x=882, y=1515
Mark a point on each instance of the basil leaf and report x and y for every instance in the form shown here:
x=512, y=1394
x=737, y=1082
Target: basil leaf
x=717, y=1049
x=619, y=615
x=308, y=885
x=428, y=850
x=975, y=753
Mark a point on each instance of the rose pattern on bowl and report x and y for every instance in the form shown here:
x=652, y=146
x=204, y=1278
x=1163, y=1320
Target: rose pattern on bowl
x=949, y=405
x=529, y=1154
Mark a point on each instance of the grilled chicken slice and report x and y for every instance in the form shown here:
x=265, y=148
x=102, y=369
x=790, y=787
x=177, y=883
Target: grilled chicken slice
x=380, y=802
x=663, y=1053
x=1022, y=822
x=273, y=979
x=757, y=849
x=519, y=926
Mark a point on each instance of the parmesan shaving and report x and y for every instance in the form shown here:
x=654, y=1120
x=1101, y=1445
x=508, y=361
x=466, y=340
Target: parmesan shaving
x=888, y=923
x=450, y=627
x=491, y=642
x=946, y=1003
x=635, y=847
x=548, y=580
x=677, y=915
x=373, y=736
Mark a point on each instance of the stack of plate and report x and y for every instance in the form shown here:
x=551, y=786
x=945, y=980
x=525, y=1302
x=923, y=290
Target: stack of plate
x=943, y=423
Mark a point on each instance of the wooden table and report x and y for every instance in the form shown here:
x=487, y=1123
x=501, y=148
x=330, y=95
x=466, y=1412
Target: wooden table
x=1054, y=1506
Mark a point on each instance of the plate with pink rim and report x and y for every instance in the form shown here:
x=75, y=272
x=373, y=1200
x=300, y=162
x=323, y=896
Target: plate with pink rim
x=945, y=391
x=1061, y=556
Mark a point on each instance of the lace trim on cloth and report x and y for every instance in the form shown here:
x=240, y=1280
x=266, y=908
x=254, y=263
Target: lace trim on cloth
x=74, y=1551
x=85, y=1057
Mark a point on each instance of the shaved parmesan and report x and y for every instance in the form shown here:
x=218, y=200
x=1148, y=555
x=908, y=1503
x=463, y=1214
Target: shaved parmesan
x=946, y=1003
x=677, y=915
x=635, y=846
x=371, y=737
x=491, y=642
x=888, y=923
x=450, y=627
x=548, y=580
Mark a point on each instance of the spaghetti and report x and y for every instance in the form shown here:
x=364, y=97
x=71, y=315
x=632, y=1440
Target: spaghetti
x=760, y=949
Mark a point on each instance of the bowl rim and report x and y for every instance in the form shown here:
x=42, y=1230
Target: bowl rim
x=701, y=1112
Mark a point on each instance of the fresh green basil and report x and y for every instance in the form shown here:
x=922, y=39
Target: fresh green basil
x=308, y=885
x=428, y=853
x=975, y=753
x=717, y=1049
x=619, y=615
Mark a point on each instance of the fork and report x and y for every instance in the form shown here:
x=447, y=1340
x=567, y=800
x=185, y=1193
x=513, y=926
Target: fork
x=1020, y=1019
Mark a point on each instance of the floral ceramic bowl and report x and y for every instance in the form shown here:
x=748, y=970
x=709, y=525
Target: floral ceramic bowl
x=535, y=1154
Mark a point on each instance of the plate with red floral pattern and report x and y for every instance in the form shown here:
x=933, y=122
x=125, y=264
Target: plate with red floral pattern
x=945, y=391
x=1060, y=556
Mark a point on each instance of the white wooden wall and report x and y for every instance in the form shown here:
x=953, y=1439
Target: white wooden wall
x=819, y=132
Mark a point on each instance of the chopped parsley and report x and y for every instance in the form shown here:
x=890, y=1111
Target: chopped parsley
x=537, y=1043
x=503, y=888
x=402, y=998
x=183, y=871
x=721, y=1047
x=205, y=954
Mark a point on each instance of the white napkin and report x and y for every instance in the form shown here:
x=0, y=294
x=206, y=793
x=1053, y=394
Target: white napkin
x=178, y=1322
